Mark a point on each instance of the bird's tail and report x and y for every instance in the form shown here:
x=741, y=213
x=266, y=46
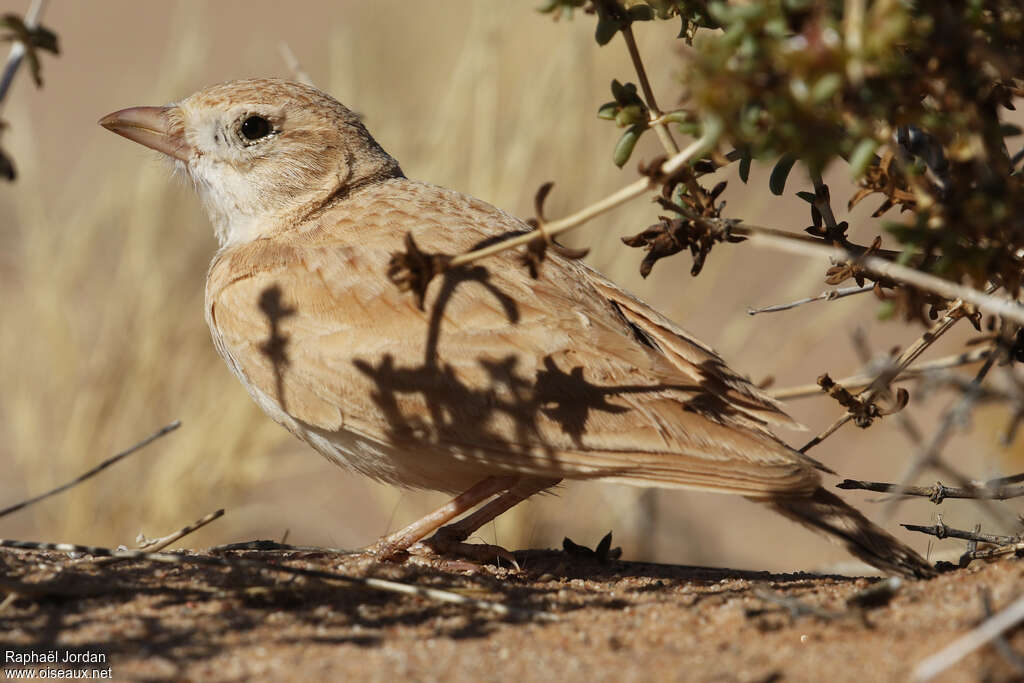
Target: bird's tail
x=827, y=512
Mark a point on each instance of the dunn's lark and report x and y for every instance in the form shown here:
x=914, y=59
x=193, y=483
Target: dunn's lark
x=502, y=385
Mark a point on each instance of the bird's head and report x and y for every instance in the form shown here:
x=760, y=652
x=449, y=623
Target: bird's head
x=263, y=153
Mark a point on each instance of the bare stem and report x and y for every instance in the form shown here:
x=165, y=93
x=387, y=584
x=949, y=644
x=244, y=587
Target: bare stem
x=861, y=381
x=1007, y=308
x=625, y=194
x=828, y=295
x=824, y=206
x=664, y=135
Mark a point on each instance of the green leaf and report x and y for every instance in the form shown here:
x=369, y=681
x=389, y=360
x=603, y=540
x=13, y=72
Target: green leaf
x=606, y=30
x=777, y=181
x=624, y=147
x=1009, y=130
x=608, y=110
x=826, y=86
x=861, y=156
x=677, y=117
x=618, y=90
x=627, y=116
x=640, y=13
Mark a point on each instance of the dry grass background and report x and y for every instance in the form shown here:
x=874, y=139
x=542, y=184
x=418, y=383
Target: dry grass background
x=104, y=255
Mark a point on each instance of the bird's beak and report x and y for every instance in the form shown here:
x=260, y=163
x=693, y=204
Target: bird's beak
x=152, y=127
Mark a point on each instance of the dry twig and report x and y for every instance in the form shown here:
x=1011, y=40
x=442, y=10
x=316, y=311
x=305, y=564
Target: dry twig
x=876, y=265
x=153, y=545
x=887, y=376
x=861, y=381
x=936, y=493
x=827, y=295
x=95, y=470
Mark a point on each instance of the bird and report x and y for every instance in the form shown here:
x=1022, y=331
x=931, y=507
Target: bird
x=497, y=385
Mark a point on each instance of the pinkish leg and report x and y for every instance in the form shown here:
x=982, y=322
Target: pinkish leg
x=402, y=539
x=464, y=528
x=451, y=538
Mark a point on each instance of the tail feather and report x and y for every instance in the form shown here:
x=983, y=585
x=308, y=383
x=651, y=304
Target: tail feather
x=826, y=512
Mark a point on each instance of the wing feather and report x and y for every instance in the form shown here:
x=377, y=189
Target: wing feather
x=499, y=373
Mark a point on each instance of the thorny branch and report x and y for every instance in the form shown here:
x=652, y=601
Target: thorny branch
x=938, y=492
x=941, y=530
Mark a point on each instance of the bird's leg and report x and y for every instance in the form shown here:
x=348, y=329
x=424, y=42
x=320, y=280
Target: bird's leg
x=451, y=538
x=465, y=501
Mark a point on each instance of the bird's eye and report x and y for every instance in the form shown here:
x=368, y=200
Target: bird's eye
x=256, y=127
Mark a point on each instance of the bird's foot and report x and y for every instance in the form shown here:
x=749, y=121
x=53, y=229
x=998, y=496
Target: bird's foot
x=485, y=553
x=443, y=545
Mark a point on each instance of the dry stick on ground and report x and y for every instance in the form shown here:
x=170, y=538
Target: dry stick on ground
x=857, y=605
x=1002, y=646
x=153, y=545
x=989, y=630
x=95, y=470
x=795, y=607
x=384, y=585
x=828, y=295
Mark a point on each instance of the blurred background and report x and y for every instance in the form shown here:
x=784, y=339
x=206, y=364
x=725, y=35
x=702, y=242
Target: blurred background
x=104, y=255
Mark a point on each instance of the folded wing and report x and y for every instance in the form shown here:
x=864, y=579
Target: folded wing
x=566, y=376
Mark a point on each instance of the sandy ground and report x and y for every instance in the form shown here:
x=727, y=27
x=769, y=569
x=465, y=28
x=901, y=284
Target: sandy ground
x=614, y=620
